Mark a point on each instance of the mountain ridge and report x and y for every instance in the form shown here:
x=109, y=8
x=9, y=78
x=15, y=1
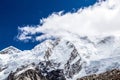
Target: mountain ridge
x=70, y=58
x=11, y=50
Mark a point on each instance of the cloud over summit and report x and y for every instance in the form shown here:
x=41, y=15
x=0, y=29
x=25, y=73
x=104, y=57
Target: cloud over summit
x=100, y=18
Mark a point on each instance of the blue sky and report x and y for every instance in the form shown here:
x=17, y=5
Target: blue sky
x=14, y=13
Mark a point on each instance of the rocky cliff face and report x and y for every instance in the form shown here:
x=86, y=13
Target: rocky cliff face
x=61, y=59
x=27, y=75
x=31, y=74
x=109, y=75
x=34, y=73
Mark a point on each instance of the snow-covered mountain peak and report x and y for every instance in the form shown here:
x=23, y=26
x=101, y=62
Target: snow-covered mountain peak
x=10, y=50
x=74, y=57
x=43, y=46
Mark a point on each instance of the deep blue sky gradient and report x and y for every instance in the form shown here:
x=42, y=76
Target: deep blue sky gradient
x=14, y=13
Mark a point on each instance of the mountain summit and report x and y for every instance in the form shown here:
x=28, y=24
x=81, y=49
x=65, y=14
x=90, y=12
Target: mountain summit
x=10, y=50
x=61, y=59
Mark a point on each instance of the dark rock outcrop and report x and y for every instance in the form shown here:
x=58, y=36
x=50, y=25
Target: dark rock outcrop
x=31, y=74
x=56, y=75
x=109, y=75
x=27, y=75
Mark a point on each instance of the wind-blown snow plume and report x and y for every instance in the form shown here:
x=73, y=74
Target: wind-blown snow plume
x=100, y=18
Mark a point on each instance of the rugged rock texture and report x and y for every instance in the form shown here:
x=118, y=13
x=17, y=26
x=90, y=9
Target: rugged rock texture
x=32, y=74
x=27, y=75
x=72, y=69
x=109, y=75
x=55, y=75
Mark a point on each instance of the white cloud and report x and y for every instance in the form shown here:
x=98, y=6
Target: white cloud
x=101, y=18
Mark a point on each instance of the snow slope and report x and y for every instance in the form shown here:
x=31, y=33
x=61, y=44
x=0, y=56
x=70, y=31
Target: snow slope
x=77, y=57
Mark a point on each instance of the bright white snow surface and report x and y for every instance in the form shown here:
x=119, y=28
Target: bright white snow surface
x=100, y=54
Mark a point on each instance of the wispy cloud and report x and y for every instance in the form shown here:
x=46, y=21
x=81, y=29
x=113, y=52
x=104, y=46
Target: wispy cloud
x=101, y=18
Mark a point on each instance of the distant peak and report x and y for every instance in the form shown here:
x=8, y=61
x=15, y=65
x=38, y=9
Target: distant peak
x=10, y=49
